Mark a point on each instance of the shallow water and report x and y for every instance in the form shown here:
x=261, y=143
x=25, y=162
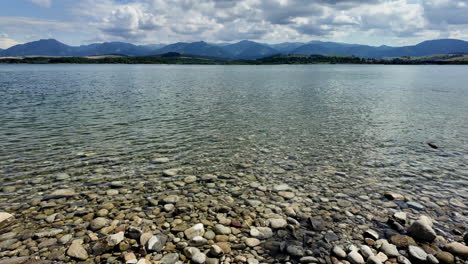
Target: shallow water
x=282, y=124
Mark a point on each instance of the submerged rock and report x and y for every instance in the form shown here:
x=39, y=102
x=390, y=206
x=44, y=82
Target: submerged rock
x=422, y=230
x=5, y=219
x=76, y=250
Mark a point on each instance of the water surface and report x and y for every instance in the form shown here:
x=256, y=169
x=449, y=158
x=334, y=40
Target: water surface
x=294, y=124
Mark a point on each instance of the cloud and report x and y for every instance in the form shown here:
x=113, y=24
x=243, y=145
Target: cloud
x=155, y=21
x=130, y=22
x=7, y=42
x=42, y=3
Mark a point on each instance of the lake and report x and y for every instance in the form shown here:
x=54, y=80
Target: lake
x=307, y=141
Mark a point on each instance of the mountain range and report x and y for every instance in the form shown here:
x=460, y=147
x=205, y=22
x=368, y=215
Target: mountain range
x=241, y=50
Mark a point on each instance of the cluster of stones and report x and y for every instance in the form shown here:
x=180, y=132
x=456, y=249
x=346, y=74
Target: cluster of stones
x=188, y=217
x=420, y=244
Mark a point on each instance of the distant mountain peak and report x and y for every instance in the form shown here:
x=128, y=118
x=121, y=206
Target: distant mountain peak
x=244, y=49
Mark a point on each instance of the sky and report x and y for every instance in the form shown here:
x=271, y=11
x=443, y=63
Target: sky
x=372, y=22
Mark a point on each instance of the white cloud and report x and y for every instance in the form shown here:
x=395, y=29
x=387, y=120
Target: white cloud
x=42, y=3
x=156, y=21
x=7, y=42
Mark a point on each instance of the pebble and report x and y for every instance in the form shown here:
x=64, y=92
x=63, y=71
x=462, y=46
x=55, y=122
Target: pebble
x=170, y=258
x=216, y=251
x=400, y=217
x=60, y=193
x=373, y=260
x=445, y=257
x=355, y=258
x=403, y=260
x=415, y=205
x=308, y=259
x=170, y=172
x=196, y=230
x=76, y=250
x=115, y=239
x=252, y=242
x=130, y=258
x=432, y=259
x=99, y=223
x=280, y=187
x=339, y=252
x=389, y=249
x=5, y=219
x=222, y=230
x=366, y=251
x=199, y=258
x=157, y=242
x=277, y=223
x=161, y=160
x=457, y=249
x=287, y=195
x=371, y=234
x=261, y=232
x=422, y=230
x=417, y=253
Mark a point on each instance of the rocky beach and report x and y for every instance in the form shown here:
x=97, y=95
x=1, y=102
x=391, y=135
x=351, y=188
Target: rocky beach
x=186, y=215
x=325, y=164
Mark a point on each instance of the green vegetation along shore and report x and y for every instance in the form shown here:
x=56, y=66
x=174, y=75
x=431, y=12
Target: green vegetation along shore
x=176, y=58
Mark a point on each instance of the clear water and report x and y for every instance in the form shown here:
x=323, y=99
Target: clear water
x=372, y=122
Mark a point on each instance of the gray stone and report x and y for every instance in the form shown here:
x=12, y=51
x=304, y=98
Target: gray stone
x=371, y=234
x=171, y=172
x=189, y=252
x=374, y=260
x=403, y=260
x=222, y=230
x=156, y=243
x=355, y=258
x=76, y=250
x=60, y=193
x=199, y=258
x=172, y=199
x=417, y=253
x=295, y=251
x=261, y=232
x=49, y=233
x=400, y=217
x=14, y=260
x=198, y=241
x=196, y=230
x=65, y=239
x=308, y=259
x=252, y=242
x=99, y=223
x=422, y=230
x=161, y=160
x=170, y=258
x=366, y=251
x=280, y=187
x=432, y=259
x=389, y=249
x=339, y=252
x=216, y=251
x=381, y=256
x=115, y=239
x=277, y=223
x=415, y=205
